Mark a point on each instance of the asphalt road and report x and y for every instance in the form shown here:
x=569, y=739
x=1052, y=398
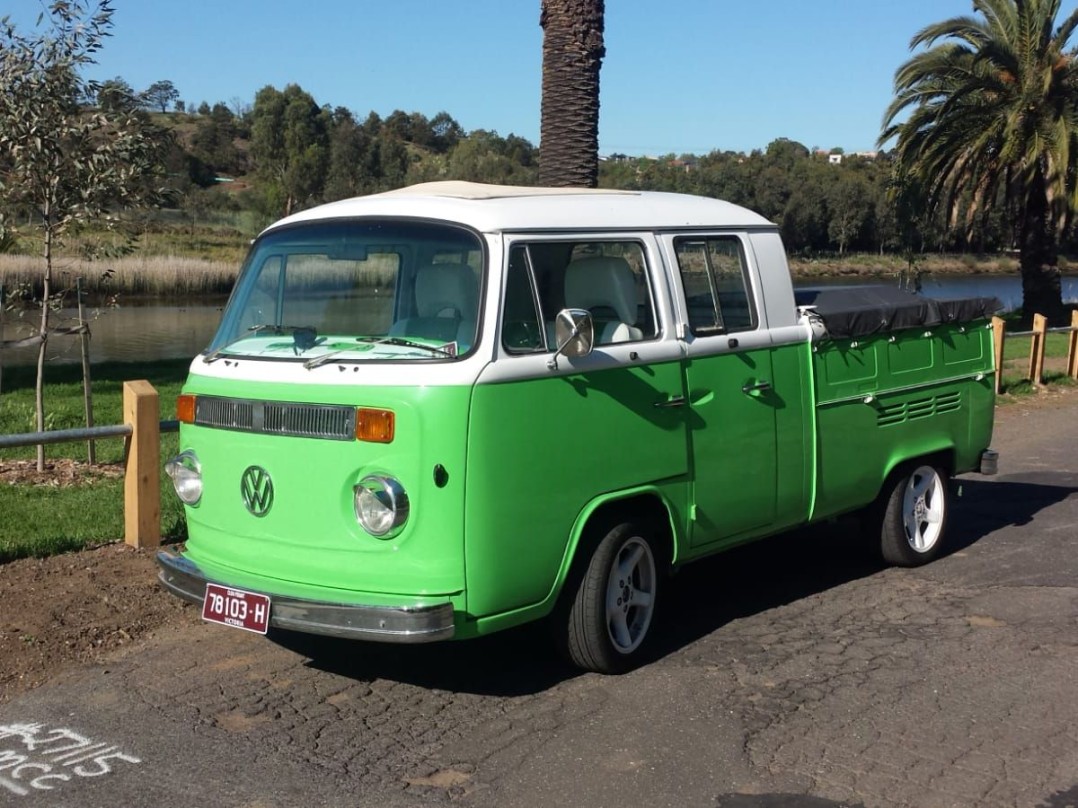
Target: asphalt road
x=796, y=672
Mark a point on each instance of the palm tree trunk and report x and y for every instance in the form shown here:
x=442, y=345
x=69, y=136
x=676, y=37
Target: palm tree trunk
x=573, y=52
x=1038, y=255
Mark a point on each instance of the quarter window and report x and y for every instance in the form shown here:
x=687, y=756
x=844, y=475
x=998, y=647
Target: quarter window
x=715, y=279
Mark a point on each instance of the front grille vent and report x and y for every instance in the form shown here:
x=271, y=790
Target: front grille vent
x=277, y=418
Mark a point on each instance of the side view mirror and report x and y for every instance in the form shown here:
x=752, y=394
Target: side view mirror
x=574, y=333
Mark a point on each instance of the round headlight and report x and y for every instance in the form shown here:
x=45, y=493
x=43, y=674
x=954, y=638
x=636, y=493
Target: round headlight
x=186, y=474
x=381, y=505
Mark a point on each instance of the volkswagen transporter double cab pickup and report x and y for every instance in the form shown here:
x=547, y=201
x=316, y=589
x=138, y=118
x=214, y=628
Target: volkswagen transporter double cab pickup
x=454, y=408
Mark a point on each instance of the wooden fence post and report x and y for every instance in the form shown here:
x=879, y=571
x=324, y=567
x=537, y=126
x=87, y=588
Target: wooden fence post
x=1036, y=349
x=1072, y=347
x=999, y=333
x=142, y=475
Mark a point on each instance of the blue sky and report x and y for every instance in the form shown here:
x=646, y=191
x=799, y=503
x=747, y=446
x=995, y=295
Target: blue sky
x=680, y=76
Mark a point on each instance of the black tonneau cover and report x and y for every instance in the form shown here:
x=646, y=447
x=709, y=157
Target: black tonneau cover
x=864, y=310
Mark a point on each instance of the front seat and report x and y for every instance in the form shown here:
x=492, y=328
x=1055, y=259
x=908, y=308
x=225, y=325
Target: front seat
x=605, y=286
x=446, y=298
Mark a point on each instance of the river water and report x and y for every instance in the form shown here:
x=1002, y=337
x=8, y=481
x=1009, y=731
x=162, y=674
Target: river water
x=164, y=330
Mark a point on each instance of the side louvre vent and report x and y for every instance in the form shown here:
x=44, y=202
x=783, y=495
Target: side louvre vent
x=922, y=408
x=889, y=416
x=949, y=402
x=277, y=418
x=895, y=414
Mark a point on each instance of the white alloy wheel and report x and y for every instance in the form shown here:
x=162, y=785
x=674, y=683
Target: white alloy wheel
x=923, y=508
x=630, y=591
x=912, y=516
x=614, y=599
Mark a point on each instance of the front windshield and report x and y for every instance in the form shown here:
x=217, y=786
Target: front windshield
x=355, y=290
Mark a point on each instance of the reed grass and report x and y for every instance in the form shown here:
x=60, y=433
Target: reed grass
x=157, y=276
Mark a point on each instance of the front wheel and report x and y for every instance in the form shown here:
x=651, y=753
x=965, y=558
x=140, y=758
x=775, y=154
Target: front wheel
x=614, y=604
x=915, y=517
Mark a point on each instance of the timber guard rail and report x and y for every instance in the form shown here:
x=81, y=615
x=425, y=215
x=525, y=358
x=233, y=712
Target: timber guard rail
x=141, y=432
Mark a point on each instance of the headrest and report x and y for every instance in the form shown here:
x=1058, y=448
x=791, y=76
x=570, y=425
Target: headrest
x=446, y=290
x=602, y=281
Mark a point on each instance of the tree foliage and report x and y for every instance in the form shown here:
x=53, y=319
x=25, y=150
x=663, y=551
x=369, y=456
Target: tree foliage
x=992, y=103
x=61, y=163
x=160, y=95
x=290, y=146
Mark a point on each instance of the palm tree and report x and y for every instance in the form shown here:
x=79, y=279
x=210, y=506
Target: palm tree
x=993, y=120
x=572, y=55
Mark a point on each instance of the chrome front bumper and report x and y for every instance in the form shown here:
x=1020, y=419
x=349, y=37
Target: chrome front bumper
x=397, y=624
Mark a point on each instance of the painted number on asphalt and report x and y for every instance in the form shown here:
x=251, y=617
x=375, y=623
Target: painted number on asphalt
x=34, y=757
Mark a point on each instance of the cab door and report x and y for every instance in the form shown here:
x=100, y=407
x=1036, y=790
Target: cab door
x=730, y=389
x=549, y=434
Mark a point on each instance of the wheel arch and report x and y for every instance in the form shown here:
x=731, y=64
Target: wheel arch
x=942, y=457
x=644, y=503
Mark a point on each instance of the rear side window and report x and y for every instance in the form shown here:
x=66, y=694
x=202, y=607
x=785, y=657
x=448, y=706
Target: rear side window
x=607, y=278
x=715, y=278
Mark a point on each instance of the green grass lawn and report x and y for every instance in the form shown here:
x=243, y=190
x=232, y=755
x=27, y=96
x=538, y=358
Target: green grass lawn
x=43, y=520
x=1016, y=364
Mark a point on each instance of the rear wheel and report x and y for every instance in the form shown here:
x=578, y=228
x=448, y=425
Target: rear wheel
x=914, y=521
x=613, y=607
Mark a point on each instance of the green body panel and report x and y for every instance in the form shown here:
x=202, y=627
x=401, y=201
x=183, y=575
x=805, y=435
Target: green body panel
x=541, y=450
x=529, y=462
x=673, y=496
x=310, y=537
x=895, y=397
x=749, y=456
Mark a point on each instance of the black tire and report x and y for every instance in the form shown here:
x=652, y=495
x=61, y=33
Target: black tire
x=913, y=523
x=612, y=611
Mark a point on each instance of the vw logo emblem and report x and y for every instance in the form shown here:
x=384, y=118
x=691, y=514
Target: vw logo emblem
x=257, y=490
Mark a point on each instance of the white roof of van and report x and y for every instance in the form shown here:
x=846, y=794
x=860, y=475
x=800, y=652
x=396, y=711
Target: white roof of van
x=496, y=208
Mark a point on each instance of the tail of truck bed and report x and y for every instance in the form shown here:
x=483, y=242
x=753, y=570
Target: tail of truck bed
x=897, y=377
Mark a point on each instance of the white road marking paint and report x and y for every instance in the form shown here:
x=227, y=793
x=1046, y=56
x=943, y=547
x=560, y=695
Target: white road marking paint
x=34, y=757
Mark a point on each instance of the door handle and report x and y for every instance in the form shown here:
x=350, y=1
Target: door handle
x=673, y=401
x=759, y=387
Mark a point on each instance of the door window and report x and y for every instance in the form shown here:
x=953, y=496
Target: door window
x=715, y=279
x=607, y=278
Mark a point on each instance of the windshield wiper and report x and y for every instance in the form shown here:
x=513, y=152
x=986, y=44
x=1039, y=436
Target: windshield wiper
x=406, y=343
x=305, y=330
x=400, y=341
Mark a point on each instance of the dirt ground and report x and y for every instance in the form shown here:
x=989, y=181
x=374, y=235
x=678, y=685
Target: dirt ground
x=77, y=607
x=85, y=606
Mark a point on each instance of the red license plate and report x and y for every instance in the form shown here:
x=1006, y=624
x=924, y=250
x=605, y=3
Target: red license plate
x=235, y=607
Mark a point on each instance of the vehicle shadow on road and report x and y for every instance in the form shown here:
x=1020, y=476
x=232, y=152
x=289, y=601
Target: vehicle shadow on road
x=700, y=599
x=986, y=507
x=786, y=568
x=516, y=662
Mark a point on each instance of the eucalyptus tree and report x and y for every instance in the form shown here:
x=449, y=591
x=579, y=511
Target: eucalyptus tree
x=992, y=104
x=573, y=53
x=290, y=146
x=65, y=163
x=160, y=95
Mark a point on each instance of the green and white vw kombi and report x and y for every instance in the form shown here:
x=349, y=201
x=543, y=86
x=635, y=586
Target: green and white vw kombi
x=447, y=410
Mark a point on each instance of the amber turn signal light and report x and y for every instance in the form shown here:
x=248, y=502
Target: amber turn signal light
x=375, y=426
x=185, y=409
